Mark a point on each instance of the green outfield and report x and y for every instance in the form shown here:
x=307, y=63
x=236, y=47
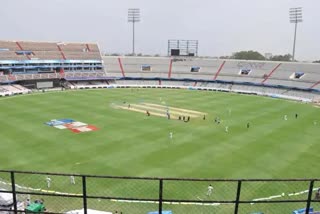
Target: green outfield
x=130, y=143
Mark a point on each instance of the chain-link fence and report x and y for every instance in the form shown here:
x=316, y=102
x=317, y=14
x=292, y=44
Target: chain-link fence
x=66, y=193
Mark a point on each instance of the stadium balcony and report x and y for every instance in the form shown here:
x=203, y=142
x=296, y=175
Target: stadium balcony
x=34, y=76
x=83, y=75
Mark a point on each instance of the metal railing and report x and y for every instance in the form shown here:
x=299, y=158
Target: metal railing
x=65, y=192
x=19, y=77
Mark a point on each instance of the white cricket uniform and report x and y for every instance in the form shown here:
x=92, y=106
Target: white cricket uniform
x=170, y=135
x=72, y=180
x=48, y=182
x=210, y=190
x=227, y=129
x=285, y=117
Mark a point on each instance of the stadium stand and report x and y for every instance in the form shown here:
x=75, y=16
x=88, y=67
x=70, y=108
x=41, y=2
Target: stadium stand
x=22, y=61
x=152, y=67
x=263, y=77
x=72, y=64
x=245, y=71
x=195, y=68
x=6, y=90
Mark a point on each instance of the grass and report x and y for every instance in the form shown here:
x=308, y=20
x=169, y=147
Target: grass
x=132, y=144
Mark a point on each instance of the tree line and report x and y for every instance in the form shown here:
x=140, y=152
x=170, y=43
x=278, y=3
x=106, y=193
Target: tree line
x=255, y=55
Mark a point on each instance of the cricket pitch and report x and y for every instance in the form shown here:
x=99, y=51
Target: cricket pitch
x=160, y=110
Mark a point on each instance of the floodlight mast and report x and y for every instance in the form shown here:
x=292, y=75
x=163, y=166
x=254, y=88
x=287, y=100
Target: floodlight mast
x=133, y=17
x=295, y=15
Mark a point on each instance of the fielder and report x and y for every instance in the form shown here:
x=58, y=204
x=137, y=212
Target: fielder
x=171, y=135
x=210, y=190
x=285, y=117
x=226, y=129
x=48, y=179
x=72, y=180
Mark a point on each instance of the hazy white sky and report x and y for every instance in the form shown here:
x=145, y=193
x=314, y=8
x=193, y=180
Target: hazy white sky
x=221, y=26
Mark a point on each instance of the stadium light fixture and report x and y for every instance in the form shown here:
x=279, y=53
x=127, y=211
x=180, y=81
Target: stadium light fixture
x=295, y=15
x=133, y=17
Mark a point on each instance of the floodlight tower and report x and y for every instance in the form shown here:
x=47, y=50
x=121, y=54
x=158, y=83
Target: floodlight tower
x=295, y=17
x=133, y=16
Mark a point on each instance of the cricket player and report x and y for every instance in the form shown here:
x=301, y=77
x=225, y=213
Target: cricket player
x=48, y=179
x=171, y=135
x=168, y=115
x=285, y=117
x=226, y=129
x=72, y=180
x=210, y=190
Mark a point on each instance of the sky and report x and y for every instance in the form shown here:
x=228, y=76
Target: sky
x=222, y=27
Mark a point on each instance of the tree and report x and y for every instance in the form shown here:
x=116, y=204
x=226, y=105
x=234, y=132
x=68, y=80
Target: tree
x=248, y=55
x=284, y=58
x=224, y=57
x=317, y=61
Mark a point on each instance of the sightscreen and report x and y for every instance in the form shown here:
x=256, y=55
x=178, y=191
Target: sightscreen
x=45, y=84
